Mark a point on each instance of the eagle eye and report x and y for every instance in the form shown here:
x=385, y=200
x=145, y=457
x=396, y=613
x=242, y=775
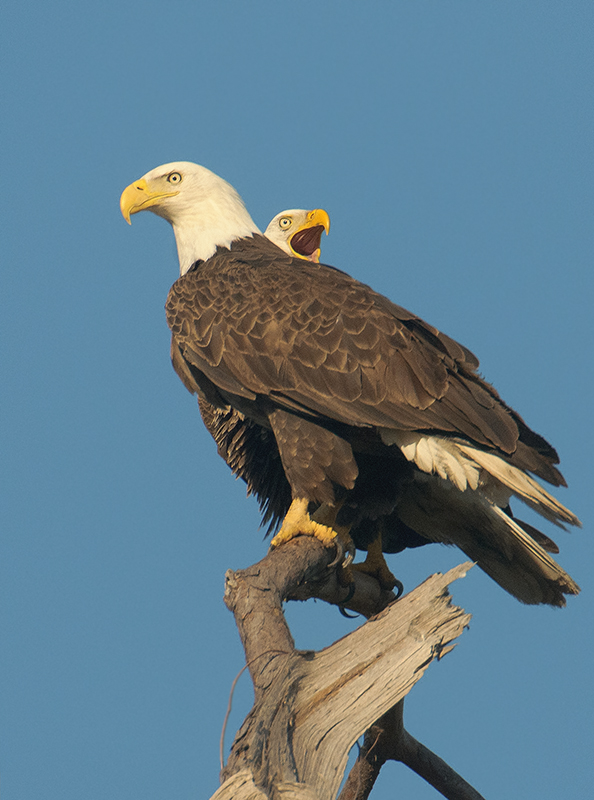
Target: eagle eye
x=174, y=177
x=285, y=223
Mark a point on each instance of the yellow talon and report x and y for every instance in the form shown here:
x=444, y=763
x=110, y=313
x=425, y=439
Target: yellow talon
x=375, y=565
x=321, y=524
x=297, y=522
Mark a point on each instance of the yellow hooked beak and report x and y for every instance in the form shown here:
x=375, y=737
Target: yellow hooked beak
x=138, y=197
x=318, y=217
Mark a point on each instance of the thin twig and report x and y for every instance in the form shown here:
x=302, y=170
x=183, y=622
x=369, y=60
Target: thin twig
x=226, y=720
x=231, y=692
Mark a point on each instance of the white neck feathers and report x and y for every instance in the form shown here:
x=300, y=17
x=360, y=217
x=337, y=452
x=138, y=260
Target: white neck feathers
x=215, y=222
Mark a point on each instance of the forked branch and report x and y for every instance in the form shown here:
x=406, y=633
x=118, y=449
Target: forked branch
x=387, y=739
x=310, y=708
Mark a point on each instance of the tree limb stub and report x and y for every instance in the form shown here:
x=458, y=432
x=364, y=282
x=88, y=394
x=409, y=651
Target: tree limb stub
x=387, y=739
x=310, y=708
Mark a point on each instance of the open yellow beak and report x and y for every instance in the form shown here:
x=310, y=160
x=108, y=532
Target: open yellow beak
x=138, y=197
x=301, y=242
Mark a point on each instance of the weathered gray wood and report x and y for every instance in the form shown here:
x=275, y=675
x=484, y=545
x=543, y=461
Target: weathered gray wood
x=359, y=678
x=311, y=707
x=240, y=786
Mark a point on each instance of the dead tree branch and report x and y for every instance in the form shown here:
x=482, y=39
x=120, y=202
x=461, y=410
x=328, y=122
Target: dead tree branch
x=310, y=708
x=387, y=739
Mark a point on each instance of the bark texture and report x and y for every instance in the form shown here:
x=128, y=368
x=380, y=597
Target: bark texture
x=311, y=707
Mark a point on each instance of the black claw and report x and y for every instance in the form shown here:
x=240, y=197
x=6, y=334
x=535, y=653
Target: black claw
x=399, y=588
x=349, y=596
x=350, y=555
x=339, y=557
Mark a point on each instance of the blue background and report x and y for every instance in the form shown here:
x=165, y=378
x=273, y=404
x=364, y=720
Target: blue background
x=451, y=144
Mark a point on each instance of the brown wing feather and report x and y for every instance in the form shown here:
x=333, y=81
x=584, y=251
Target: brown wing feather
x=260, y=324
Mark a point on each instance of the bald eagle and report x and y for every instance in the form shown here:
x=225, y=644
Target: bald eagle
x=299, y=232
x=371, y=420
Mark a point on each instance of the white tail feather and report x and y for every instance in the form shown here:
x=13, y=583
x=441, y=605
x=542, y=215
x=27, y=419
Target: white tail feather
x=522, y=485
x=468, y=467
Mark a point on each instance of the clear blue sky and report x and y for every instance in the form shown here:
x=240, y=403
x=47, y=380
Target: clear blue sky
x=451, y=143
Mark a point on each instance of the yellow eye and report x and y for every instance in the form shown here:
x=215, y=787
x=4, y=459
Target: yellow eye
x=174, y=177
x=285, y=223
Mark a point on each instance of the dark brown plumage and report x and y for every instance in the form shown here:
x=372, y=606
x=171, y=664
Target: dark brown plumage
x=299, y=367
x=273, y=332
